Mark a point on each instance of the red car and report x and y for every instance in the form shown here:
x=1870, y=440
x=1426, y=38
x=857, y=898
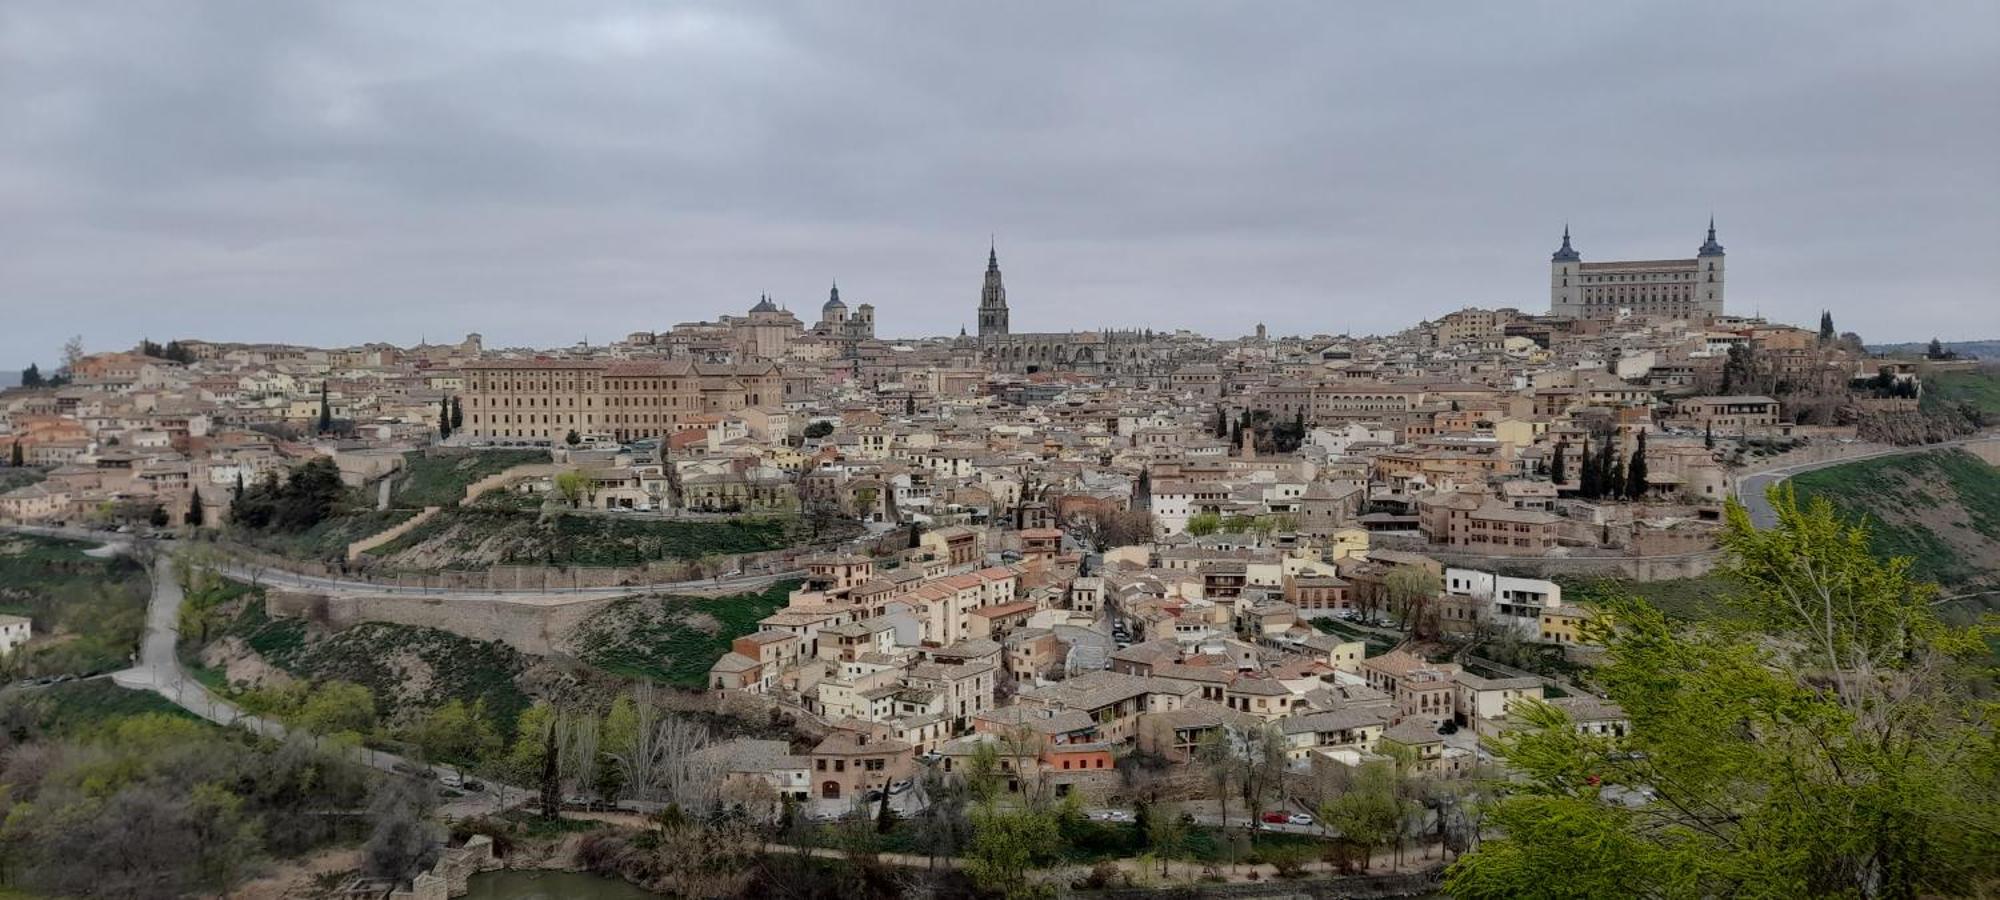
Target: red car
x=1276, y=818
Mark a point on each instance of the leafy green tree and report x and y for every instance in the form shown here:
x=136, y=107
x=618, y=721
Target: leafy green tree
x=31, y=377
x=337, y=707
x=456, y=733
x=1007, y=846
x=1167, y=836
x=816, y=430
x=1204, y=524
x=572, y=438
x=1366, y=815
x=573, y=486
x=1823, y=739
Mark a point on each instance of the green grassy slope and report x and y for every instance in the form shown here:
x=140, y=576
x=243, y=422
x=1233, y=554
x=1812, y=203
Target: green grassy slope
x=1941, y=509
x=442, y=480
x=673, y=639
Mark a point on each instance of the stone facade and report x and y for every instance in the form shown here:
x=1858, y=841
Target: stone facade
x=1676, y=288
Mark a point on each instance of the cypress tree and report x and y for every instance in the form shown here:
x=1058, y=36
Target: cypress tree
x=1559, y=467
x=18, y=458
x=1708, y=436
x=1588, y=473
x=457, y=415
x=1614, y=472
x=444, y=419
x=1635, y=474
x=194, y=514
x=325, y=411
x=31, y=377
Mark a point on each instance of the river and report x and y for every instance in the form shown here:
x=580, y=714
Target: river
x=532, y=884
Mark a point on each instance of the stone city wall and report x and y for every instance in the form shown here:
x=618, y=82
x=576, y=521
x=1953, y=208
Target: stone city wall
x=538, y=625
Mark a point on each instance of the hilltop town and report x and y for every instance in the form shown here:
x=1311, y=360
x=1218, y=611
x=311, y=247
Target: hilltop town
x=1082, y=553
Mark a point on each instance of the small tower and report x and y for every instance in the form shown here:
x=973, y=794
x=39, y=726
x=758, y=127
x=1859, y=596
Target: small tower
x=1565, y=280
x=1709, y=292
x=992, y=300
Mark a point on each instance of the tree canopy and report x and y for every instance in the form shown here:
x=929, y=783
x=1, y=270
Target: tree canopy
x=1822, y=739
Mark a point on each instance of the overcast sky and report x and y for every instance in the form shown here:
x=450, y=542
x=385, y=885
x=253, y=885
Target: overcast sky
x=539, y=172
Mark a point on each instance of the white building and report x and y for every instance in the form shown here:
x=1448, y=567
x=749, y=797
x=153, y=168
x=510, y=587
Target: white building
x=1516, y=603
x=14, y=631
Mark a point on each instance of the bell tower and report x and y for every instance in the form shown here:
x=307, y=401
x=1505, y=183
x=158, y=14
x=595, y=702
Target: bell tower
x=992, y=300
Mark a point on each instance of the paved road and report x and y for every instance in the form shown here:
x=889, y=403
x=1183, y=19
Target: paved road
x=295, y=581
x=1750, y=488
x=159, y=670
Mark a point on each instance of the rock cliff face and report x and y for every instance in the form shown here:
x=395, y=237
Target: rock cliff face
x=1910, y=427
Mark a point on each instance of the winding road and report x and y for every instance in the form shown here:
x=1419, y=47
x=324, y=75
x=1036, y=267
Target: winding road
x=1750, y=489
x=160, y=671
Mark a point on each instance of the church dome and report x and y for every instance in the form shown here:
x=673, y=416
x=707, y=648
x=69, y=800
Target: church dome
x=833, y=300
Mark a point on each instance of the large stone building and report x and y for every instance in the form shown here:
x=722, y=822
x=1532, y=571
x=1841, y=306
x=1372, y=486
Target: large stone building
x=542, y=400
x=1677, y=288
x=1103, y=351
x=846, y=330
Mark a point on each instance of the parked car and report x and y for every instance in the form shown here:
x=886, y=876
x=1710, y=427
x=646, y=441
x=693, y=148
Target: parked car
x=1277, y=818
x=1301, y=819
x=451, y=779
x=1112, y=815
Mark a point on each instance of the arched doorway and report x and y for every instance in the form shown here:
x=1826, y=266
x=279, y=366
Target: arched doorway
x=830, y=790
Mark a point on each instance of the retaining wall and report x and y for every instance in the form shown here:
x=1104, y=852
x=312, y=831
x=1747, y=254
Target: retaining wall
x=506, y=477
x=393, y=532
x=537, y=626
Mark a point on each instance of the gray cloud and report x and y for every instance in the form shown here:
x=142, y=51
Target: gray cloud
x=336, y=172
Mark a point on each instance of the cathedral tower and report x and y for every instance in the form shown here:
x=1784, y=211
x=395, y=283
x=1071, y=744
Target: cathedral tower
x=992, y=300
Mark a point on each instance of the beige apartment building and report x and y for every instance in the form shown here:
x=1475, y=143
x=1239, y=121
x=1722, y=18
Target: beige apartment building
x=542, y=400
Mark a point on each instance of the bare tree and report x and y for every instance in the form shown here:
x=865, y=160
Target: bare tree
x=402, y=840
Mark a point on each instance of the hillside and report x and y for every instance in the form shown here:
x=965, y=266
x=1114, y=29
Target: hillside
x=231, y=644
x=1989, y=349
x=470, y=537
x=1941, y=508
x=672, y=639
x=441, y=479
x=1978, y=389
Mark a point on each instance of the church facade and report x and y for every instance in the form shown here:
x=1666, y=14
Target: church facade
x=1122, y=351
x=1669, y=288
